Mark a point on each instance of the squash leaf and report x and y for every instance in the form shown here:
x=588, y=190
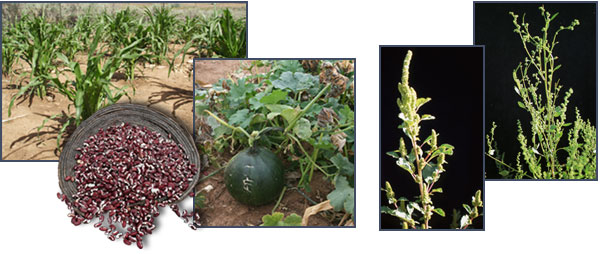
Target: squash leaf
x=342, y=198
x=277, y=220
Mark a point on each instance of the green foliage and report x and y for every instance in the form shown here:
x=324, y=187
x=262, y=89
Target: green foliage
x=472, y=213
x=92, y=90
x=277, y=220
x=10, y=54
x=206, y=36
x=423, y=161
x=35, y=40
x=231, y=42
x=287, y=111
x=162, y=25
x=539, y=91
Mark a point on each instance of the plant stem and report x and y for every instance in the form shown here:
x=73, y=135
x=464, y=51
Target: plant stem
x=279, y=200
x=250, y=138
x=306, y=154
x=421, y=185
x=501, y=162
x=301, y=113
x=211, y=174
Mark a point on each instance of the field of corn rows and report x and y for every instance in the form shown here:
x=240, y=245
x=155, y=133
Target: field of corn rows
x=60, y=64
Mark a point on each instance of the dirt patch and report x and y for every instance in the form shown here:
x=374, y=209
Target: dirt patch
x=208, y=72
x=223, y=210
x=21, y=140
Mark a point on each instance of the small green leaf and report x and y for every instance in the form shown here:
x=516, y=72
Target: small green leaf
x=557, y=111
x=302, y=129
x=556, y=68
x=277, y=108
x=258, y=118
x=446, y=149
x=275, y=96
x=393, y=154
x=276, y=220
x=467, y=207
x=521, y=104
x=440, y=212
x=422, y=101
x=405, y=165
x=293, y=220
x=290, y=114
x=387, y=210
x=427, y=117
x=438, y=190
x=428, y=173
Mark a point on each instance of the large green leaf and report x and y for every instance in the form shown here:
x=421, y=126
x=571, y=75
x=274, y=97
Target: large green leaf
x=343, y=164
x=240, y=118
x=342, y=198
x=275, y=97
x=295, y=82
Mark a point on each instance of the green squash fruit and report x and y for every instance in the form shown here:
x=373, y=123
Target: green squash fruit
x=254, y=176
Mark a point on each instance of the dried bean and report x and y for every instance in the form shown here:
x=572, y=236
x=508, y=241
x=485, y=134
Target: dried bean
x=127, y=172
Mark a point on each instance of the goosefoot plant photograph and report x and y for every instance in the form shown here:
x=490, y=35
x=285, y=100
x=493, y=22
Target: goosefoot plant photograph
x=277, y=140
x=552, y=133
x=431, y=168
x=61, y=62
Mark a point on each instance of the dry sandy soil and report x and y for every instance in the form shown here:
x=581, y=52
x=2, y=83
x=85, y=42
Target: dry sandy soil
x=221, y=208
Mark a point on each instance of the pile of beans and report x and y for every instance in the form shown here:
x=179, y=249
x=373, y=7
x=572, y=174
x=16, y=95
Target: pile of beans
x=123, y=175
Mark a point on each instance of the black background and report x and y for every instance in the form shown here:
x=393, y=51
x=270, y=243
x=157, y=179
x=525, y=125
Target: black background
x=504, y=50
x=453, y=78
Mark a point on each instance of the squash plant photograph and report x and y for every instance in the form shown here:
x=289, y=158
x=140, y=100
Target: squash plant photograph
x=541, y=89
x=277, y=140
x=431, y=115
x=61, y=62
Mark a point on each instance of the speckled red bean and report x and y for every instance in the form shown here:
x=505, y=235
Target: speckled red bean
x=126, y=172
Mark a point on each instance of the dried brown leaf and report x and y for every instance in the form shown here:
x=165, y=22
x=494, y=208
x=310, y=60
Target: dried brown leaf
x=327, y=116
x=339, y=140
x=345, y=66
x=310, y=211
x=310, y=66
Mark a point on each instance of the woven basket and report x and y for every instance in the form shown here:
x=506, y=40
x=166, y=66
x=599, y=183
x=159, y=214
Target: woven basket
x=124, y=113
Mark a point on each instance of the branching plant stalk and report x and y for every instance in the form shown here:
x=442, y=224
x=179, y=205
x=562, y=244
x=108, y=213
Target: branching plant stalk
x=548, y=117
x=421, y=166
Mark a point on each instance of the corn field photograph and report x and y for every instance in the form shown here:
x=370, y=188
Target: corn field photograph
x=61, y=62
